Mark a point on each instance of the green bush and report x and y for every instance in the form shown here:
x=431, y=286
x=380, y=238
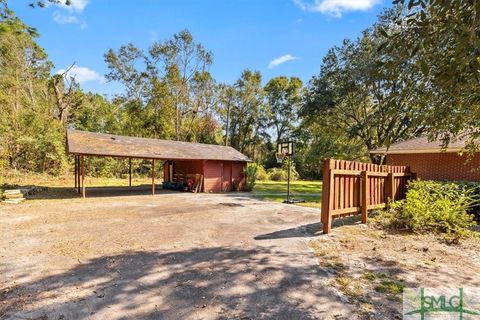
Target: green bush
x=438, y=207
x=281, y=174
x=277, y=174
x=261, y=172
x=250, y=176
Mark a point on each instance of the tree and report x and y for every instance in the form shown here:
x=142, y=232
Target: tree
x=29, y=137
x=170, y=86
x=67, y=95
x=283, y=100
x=247, y=114
x=374, y=104
x=442, y=38
x=185, y=65
x=317, y=140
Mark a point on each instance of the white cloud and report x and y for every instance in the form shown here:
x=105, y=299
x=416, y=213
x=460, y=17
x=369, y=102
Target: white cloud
x=83, y=74
x=336, y=7
x=64, y=19
x=75, y=5
x=278, y=61
x=301, y=4
x=68, y=19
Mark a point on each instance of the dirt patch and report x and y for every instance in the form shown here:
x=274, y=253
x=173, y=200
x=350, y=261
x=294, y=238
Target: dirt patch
x=370, y=268
x=191, y=256
x=169, y=256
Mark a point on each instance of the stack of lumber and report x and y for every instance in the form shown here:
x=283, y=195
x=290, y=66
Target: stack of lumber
x=197, y=187
x=19, y=194
x=13, y=196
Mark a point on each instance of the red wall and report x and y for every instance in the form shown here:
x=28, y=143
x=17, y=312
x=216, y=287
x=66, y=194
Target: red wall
x=212, y=176
x=188, y=167
x=439, y=166
x=221, y=176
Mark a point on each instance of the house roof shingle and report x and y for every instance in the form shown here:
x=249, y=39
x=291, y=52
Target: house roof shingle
x=103, y=144
x=422, y=145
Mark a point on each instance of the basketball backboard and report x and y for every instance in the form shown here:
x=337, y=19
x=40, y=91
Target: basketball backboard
x=286, y=148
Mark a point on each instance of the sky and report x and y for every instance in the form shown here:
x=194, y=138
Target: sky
x=276, y=37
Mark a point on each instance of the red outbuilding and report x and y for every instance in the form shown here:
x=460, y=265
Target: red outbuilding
x=212, y=168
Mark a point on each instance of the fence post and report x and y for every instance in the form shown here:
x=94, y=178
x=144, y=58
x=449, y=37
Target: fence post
x=365, y=196
x=327, y=204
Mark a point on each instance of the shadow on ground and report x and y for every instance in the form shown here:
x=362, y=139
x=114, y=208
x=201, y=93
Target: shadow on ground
x=209, y=283
x=97, y=192
x=307, y=230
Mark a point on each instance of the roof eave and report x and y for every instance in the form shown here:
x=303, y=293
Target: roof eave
x=156, y=158
x=416, y=151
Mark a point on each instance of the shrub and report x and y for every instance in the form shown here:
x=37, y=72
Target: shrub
x=250, y=176
x=281, y=174
x=277, y=174
x=438, y=207
x=261, y=172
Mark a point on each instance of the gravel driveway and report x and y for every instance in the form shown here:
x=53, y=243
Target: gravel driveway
x=170, y=256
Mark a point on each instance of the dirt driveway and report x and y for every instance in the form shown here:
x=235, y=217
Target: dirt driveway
x=171, y=256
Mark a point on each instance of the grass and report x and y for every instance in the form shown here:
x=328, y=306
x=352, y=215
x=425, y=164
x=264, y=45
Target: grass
x=24, y=179
x=310, y=191
x=62, y=186
x=390, y=286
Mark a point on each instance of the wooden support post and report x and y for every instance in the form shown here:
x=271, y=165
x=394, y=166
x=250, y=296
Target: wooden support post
x=327, y=195
x=390, y=187
x=153, y=177
x=365, y=196
x=78, y=174
x=83, y=176
x=129, y=172
x=76, y=171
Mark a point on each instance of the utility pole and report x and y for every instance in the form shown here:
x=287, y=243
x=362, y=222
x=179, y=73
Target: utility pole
x=228, y=124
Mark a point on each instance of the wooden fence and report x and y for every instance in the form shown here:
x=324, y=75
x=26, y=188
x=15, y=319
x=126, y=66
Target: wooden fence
x=351, y=188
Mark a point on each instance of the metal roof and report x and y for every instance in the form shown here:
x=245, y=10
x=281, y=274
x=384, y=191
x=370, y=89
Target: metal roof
x=423, y=145
x=103, y=144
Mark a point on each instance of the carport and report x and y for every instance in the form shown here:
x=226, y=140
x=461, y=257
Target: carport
x=219, y=168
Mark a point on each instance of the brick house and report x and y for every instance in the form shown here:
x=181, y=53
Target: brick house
x=431, y=162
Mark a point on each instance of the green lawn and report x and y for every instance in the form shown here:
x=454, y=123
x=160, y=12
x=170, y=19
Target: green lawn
x=310, y=191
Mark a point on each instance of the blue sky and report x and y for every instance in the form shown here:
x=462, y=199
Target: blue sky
x=276, y=37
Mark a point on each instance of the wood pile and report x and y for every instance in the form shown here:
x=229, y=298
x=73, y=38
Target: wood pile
x=13, y=196
x=16, y=196
x=197, y=187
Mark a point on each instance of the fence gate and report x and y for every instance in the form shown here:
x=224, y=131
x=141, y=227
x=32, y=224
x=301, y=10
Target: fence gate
x=351, y=188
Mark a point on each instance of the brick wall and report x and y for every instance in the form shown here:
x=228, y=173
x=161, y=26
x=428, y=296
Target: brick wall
x=439, y=166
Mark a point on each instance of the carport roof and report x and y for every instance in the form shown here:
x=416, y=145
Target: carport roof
x=103, y=144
